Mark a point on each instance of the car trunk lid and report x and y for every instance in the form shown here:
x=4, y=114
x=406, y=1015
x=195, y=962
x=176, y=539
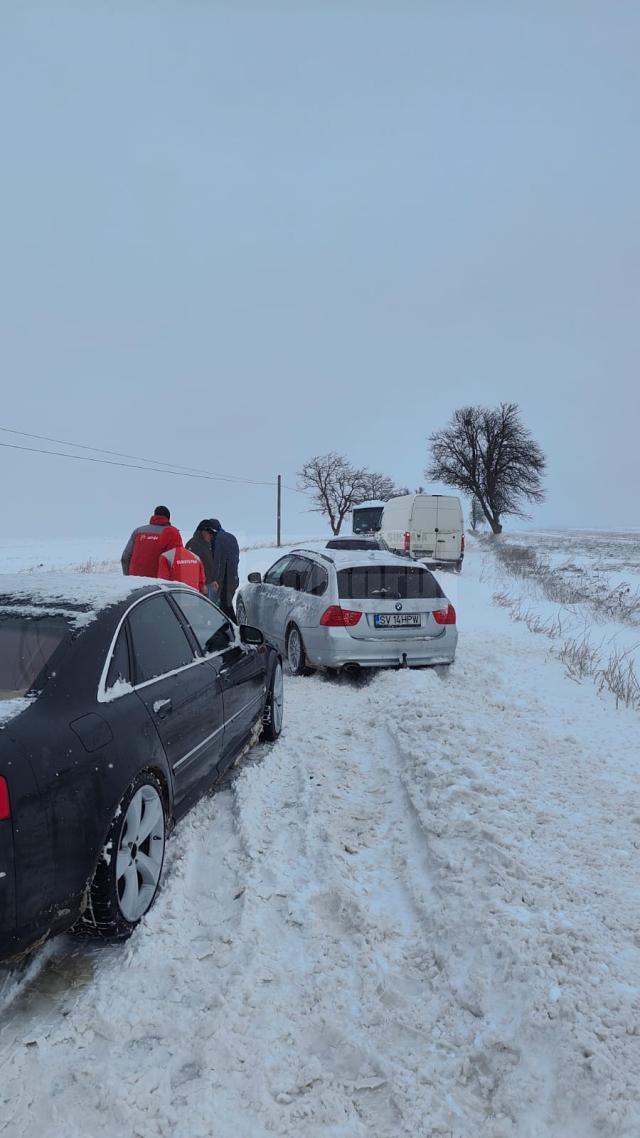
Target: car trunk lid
x=397, y=602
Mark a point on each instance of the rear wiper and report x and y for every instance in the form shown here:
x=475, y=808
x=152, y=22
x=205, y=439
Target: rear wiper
x=383, y=593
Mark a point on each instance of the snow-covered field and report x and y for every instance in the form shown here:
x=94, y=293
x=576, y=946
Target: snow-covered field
x=416, y=914
x=580, y=589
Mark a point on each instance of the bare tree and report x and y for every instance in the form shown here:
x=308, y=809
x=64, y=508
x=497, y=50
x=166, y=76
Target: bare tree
x=402, y=491
x=488, y=453
x=377, y=486
x=336, y=486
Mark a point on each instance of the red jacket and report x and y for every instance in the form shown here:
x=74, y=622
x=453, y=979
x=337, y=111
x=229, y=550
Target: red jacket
x=184, y=566
x=146, y=545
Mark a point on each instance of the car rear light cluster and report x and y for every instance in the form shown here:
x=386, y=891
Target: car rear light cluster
x=5, y=807
x=407, y=542
x=337, y=617
x=445, y=616
x=462, y=544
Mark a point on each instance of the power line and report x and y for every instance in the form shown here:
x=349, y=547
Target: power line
x=175, y=466
x=131, y=466
x=184, y=472
x=157, y=466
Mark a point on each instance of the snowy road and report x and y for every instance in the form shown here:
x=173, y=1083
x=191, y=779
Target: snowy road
x=415, y=914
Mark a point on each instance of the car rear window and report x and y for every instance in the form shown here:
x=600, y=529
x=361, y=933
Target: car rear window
x=371, y=582
x=352, y=543
x=27, y=643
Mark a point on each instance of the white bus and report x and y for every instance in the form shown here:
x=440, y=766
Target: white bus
x=365, y=519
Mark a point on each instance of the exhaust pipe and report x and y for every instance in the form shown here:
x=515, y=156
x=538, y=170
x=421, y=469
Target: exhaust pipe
x=352, y=670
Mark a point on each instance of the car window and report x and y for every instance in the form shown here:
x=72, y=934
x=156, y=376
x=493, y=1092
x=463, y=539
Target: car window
x=364, y=582
x=119, y=668
x=296, y=574
x=367, y=520
x=317, y=581
x=159, y=641
x=352, y=543
x=273, y=576
x=27, y=644
x=211, y=627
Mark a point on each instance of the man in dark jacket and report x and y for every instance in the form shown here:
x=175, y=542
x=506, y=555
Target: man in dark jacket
x=200, y=544
x=144, y=548
x=226, y=555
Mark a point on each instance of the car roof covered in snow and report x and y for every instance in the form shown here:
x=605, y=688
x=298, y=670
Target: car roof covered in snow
x=368, y=505
x=78, y=596
x=350, y=558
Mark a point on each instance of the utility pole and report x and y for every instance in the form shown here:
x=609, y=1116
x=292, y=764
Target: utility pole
x=279, y=522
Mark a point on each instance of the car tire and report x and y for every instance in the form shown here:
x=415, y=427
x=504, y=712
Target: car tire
x=458, y=566
x=296, y=656
x=273, y=708
x=129, y=869
x=241, y=612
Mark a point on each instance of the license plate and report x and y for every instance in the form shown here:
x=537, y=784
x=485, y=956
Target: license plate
x=397, y=620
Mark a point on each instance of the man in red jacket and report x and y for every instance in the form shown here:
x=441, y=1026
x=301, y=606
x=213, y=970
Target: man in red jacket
x=146, y=545
x=182, y=565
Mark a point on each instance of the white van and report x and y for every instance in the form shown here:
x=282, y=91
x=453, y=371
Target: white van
x=427, y=527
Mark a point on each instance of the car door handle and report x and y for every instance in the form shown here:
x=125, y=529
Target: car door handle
x=162, y=707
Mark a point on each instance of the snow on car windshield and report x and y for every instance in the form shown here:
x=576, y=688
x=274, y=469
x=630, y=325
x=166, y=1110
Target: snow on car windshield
x=364, y=582
x=26, y=646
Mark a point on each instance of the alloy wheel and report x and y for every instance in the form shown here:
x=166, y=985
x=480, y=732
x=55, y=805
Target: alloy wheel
x=140, y=853
x=294, y=649
x=277, y=699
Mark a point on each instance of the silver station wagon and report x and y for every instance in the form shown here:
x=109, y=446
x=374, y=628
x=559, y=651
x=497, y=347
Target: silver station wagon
x=350, y=609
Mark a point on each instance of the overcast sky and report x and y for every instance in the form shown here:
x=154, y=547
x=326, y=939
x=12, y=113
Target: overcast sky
x=237, y=234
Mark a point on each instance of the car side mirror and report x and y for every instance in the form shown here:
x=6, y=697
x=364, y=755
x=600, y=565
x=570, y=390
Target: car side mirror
x=255, y=578
x=251, y=635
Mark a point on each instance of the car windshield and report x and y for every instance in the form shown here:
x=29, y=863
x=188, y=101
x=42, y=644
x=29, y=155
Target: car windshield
x=365, y=582
x=27, y=643
x=367, y=520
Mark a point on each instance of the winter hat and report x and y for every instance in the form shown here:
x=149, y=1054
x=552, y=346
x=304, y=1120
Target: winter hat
x=205, y=524
x=214, y=524
x=162, y=512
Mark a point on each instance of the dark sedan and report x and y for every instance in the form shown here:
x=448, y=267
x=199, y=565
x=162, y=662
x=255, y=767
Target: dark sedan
x=120, y=705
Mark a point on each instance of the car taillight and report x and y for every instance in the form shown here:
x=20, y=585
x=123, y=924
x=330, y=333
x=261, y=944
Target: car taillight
x=5, y=806
x=462, y=544
x=337, y=617
x=407, y=542
x=445, y=616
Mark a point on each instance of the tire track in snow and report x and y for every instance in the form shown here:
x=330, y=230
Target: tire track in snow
x=517, y=822
x=330, y=866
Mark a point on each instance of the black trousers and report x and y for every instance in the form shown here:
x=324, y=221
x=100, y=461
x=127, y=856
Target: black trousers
x=225, y=597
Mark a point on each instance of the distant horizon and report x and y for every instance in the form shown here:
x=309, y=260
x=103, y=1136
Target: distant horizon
x=304, y=535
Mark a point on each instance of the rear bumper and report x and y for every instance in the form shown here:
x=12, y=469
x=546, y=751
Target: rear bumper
x=439, y=562
x=335, y=647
